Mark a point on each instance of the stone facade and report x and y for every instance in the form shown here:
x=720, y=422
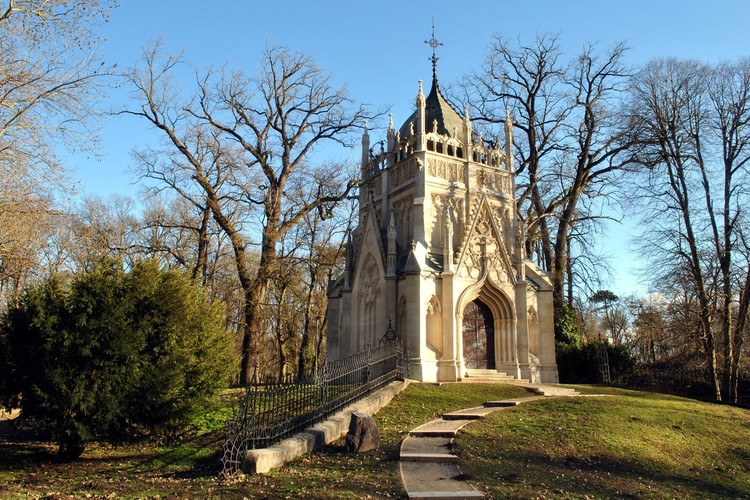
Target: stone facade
x=438, y=254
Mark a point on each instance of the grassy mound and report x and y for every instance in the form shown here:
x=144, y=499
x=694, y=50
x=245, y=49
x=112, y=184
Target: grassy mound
x=629, y=444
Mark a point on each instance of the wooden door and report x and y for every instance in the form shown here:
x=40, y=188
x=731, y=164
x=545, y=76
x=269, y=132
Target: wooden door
x=479, y=336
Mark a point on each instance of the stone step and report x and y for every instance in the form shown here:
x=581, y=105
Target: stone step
x=426, y=444
x=487, y=376
x=427, y=449
x=428, y=468
x=505, y=403
x=482, y=371
x=469, y=413
x=435, y=481
x=440, y=427
x=428, y=457
x=488, y=381
x=445, y=495
x=553, y=390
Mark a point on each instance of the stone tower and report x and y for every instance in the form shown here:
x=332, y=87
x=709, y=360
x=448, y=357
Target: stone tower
x=438, y=253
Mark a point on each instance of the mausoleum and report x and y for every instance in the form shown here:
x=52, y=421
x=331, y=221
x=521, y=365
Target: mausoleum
x=438, y=254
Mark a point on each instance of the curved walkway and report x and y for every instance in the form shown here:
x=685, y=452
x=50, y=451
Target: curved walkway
x=428, y=468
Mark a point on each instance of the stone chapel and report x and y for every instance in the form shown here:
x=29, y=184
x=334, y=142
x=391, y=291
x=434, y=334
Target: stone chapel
x=438, y=255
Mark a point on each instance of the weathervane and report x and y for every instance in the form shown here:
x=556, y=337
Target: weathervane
x=433, y=42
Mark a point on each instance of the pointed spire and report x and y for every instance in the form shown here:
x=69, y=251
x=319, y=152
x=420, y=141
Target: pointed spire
x=391, y=138
x=510, y=162
x=433, y=42
x=467, y=126
x=365, y=150
x=419, y=127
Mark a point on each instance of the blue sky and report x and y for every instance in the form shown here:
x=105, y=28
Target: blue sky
x=377, y=49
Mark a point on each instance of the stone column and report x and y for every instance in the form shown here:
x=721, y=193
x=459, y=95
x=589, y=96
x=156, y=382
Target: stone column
x=447, y=370
x=522, y=330
x=547, y=360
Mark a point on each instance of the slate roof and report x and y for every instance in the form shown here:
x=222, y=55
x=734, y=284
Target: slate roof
x=436, y=108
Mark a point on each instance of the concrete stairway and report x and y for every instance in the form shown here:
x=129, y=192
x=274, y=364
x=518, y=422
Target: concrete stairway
x=429, y=469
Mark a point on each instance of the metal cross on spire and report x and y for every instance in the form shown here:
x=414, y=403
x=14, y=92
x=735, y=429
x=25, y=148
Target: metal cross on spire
x=433, y=42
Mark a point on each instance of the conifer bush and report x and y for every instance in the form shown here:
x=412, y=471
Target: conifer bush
x=110, y=354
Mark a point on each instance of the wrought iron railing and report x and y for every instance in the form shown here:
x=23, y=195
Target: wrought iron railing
x=273, y=409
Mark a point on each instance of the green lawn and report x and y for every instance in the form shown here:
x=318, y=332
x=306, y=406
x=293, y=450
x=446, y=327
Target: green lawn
x=630, y=444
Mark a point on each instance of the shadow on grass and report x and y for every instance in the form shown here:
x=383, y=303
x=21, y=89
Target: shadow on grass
x=19, y=455
x=186, y=463
x=600, y=476
x=198, y=457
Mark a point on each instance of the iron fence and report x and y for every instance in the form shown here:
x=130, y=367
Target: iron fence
x=685, y=381
x=274, y=408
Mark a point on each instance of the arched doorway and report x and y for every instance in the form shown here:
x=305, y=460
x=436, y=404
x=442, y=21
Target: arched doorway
x=479, y=336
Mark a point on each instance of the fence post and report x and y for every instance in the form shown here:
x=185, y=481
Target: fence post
x=324, y=381
x=368, y=374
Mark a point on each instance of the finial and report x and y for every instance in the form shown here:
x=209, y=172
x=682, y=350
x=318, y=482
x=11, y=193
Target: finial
x=508, y=119
x=433, y=42
x=366, y=123
x=421, y=93
x=390, y=120
x=466, y=112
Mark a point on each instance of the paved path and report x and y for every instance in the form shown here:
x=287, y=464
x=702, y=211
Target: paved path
x=429, y=469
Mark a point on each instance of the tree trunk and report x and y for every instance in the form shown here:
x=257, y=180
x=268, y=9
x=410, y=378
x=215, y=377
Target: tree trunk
x=255, y=298
x=312, y=268
x=569, y=270
x=302, y=366
x=201, y=263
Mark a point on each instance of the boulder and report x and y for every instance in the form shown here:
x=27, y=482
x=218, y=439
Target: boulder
x=363, y=434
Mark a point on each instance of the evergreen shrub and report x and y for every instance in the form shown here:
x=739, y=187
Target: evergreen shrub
x=111, y=354
x=579, y=364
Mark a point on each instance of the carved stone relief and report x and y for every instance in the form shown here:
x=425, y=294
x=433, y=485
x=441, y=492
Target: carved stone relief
x=451, y=207
x=402, y=173
x=402, y=215
x=484, y=252
x=444, y=169
x=433, y=306
x=369, y=292
x=498, y=182
x=434, y=326
x=532, y=315
x=370, y=288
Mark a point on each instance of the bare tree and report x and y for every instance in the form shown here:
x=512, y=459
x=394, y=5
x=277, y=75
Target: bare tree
x=729, y=93
x=242, y=142
x=526, y=79
x=693, y=122
x=572, y=139
x=615, y=319
x=323, y=247
x=49, y=78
